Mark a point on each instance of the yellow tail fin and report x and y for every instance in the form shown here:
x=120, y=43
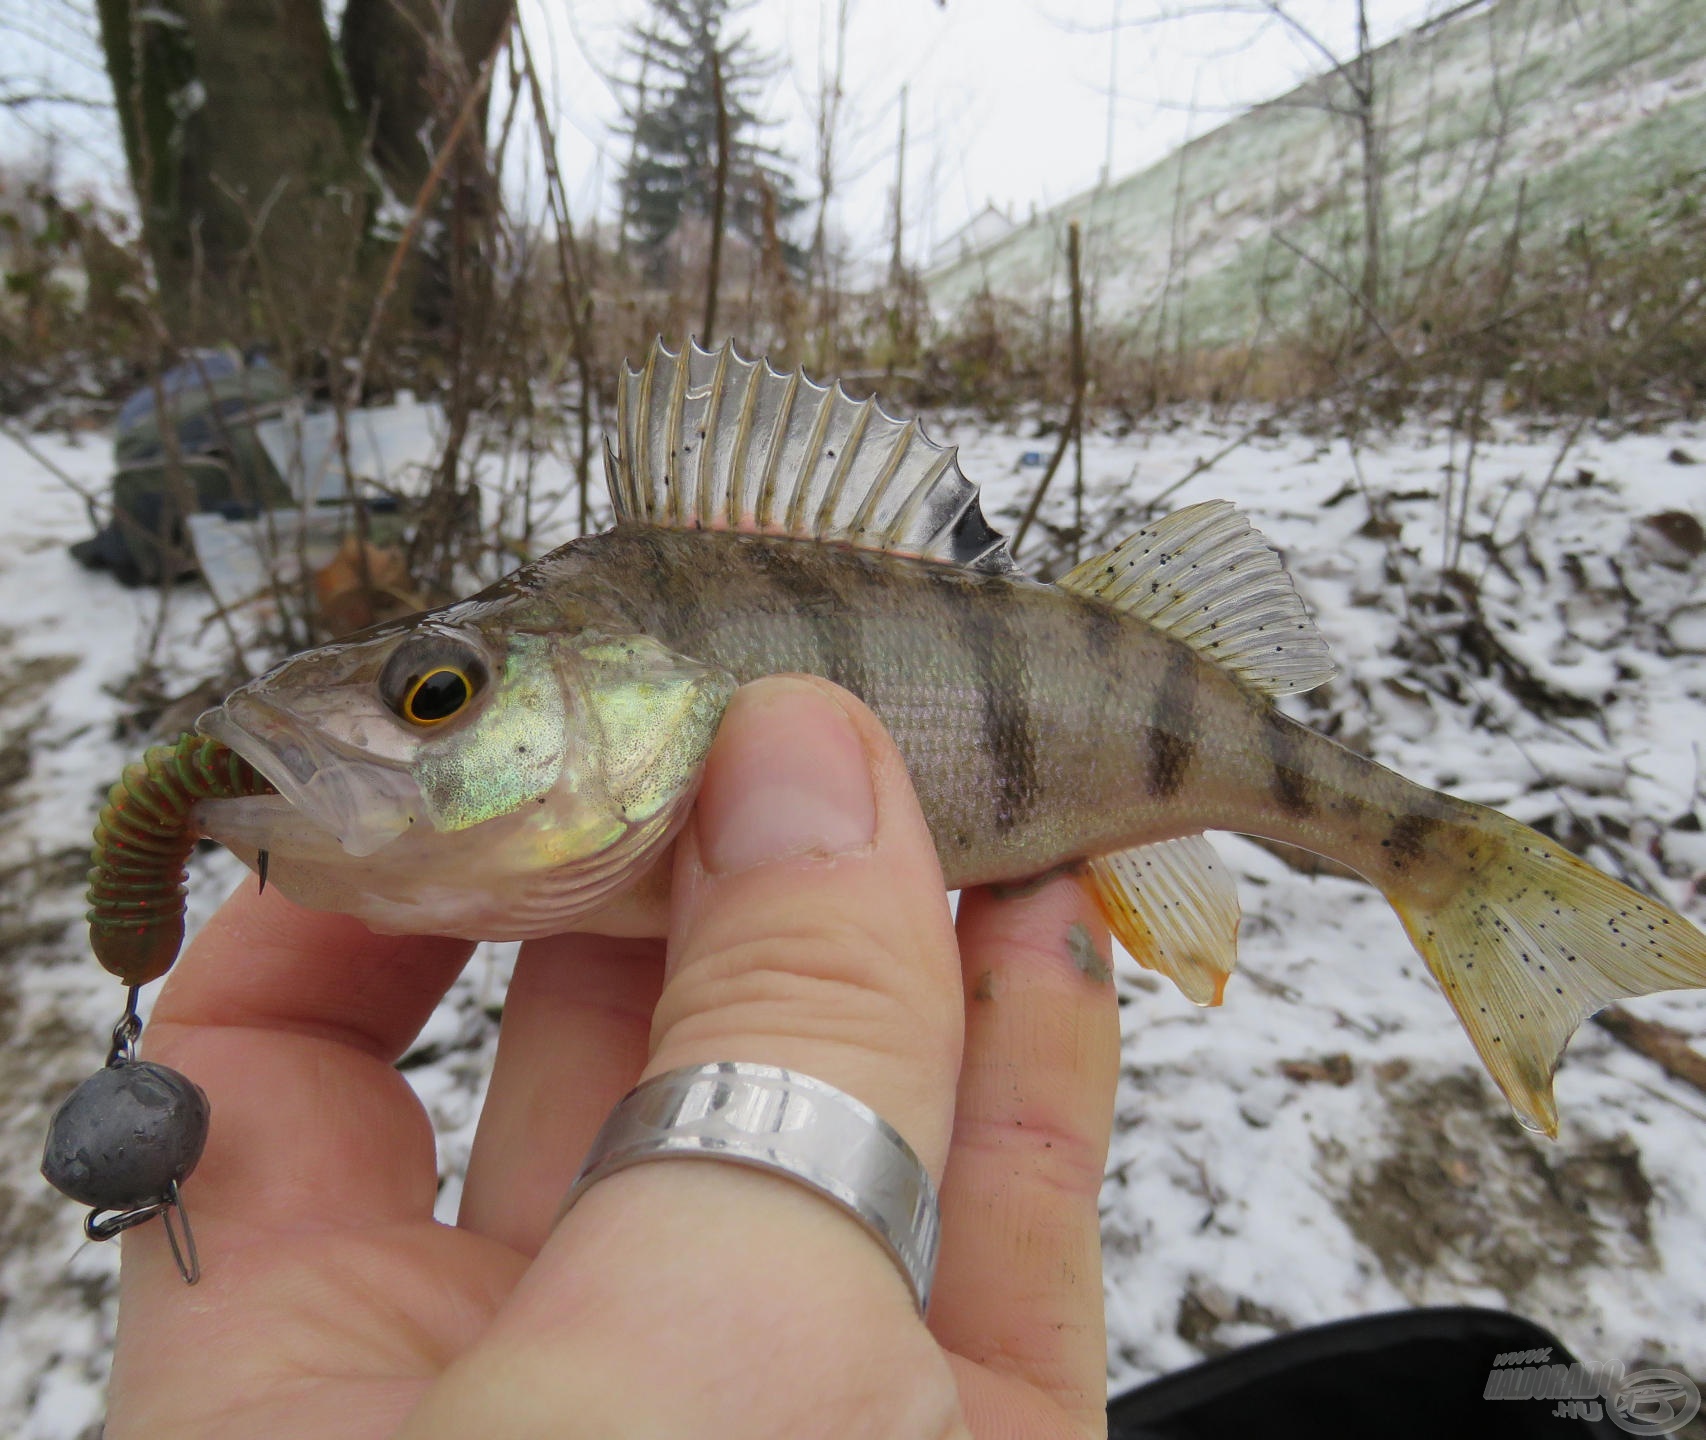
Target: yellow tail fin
x=1533, y=942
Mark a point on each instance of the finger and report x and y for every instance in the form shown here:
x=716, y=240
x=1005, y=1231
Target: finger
x=576, y=1026
x=811, y=927
x=810, y=931
x=312, y=1205
x=1030, y=1144
x=290, y=1020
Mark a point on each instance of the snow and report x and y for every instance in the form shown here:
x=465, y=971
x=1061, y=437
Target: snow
x=1261, y=1202
x=1247, y=1190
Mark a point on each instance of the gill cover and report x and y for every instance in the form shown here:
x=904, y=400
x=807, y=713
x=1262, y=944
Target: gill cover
x=655, y=713
x=512, y=752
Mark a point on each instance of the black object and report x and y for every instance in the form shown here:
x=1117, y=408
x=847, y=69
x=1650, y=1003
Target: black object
x=126, y=1136
x=1407, y=1375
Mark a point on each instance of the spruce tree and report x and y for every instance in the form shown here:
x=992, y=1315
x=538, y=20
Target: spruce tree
x=670, y=117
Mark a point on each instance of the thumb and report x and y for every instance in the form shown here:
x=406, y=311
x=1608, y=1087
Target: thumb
x=810, y=926
x=809, y=930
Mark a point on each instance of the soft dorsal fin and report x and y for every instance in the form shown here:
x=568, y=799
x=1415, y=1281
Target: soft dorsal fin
x=1208, y=577
x=1174, y=906
x=713, y=441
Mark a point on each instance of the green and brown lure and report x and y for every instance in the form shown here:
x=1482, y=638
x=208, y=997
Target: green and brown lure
x=143, y=841
x=126, y=1139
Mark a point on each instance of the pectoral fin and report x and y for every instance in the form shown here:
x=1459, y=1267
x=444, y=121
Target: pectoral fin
x=1174, y=906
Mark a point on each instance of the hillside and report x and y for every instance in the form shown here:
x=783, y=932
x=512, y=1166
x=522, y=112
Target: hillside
x=1581, y=111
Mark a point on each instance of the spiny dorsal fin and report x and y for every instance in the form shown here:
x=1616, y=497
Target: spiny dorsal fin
x=1174, y=906
x=716, y=442
x=1208, y=577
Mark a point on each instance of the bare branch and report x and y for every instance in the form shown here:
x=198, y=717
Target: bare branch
x=18, y=99
x=405, y=242
x=719, y=196
x=22, y=441
x=1339, y=284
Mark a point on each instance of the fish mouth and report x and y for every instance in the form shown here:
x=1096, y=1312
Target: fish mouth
x=364, y=803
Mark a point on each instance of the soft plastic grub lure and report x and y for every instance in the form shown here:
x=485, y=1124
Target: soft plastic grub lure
x=142, y=843
x=126, y=1139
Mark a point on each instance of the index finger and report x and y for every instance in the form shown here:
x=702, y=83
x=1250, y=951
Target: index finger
x=291, y=1021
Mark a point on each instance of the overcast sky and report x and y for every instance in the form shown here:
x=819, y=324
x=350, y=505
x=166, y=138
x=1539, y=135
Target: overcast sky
x=1008, y=100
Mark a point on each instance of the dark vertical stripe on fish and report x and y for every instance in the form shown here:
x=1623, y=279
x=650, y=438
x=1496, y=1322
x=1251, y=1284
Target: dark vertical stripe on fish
x=800, y=576
x=996, y=646
x=1287, y=782
x=1408, y=837
x=1102, y=630
x=1172, y=727
x=677, y=586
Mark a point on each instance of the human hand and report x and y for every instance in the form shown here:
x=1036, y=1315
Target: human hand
x=809, y=930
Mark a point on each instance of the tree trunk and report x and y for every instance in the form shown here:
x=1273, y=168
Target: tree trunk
x=409, y=75
x=245, y=160
x=246, y=151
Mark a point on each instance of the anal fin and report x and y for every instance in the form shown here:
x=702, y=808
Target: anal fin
x=1174, y=906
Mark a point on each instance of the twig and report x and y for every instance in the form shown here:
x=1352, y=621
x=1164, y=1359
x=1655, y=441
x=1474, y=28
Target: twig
x=1669, y=1099
x=1042, y=486
x=1338, y=283
x=719, y=193
x=1075, y=416
x=1618, y=368
x=256, y=221
x=1456, y=529
x=1175, y=237
x=1243, y=438
x=405, y=242
x=18, y=99
x=1666, y=1046
x=1080, y=381
x=169, y=555
x=87, y=496
x=1570, y=437
x=574, y=277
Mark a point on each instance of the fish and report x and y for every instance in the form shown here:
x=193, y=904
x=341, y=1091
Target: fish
x=519, y=763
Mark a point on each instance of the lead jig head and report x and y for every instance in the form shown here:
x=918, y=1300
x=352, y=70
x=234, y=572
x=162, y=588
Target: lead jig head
x=124, y=1141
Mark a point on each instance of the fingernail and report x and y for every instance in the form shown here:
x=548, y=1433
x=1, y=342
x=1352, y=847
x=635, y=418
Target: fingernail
x=789, y=776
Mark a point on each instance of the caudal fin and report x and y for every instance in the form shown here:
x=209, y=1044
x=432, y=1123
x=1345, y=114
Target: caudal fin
x=1532, y=943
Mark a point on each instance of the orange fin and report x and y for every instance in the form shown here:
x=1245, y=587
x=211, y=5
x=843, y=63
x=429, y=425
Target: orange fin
x=1531, y=943
x=1174, y=906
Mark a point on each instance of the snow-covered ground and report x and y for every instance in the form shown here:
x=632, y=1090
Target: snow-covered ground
x=1322, y=1145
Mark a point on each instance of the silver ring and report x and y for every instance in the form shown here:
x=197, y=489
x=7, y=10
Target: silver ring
x=782, y=1121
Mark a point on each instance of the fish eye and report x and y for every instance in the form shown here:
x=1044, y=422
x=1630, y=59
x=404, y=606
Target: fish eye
x=431, y=678
x=436, y=696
